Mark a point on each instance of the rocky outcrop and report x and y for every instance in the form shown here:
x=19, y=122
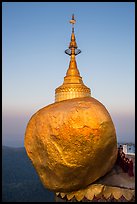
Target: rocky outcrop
x=71, y=143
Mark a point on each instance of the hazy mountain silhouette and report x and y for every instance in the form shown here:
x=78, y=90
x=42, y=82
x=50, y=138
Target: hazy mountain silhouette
x=20, y=182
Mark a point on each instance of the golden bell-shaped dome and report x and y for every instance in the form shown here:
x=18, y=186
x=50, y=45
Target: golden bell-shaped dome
x=73, y=86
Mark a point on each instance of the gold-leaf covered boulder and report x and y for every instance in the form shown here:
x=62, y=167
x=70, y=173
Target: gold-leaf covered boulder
x=71, y=143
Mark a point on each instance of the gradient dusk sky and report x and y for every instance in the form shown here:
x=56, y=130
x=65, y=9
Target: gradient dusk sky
x=34, y=37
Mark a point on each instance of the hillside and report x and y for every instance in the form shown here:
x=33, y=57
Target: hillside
x=20, y=182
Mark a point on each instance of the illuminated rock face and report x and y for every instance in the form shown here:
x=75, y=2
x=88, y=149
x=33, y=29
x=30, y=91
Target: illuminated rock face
x=71, y=143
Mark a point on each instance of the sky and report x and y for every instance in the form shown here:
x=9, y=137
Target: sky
x=34, y=38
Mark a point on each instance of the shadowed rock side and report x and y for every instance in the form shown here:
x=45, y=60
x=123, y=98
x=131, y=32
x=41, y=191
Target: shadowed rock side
x=71, y=143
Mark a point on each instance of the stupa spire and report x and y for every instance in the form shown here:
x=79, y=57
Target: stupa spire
x=73, y=21
x=73, y=86
x=72, y=51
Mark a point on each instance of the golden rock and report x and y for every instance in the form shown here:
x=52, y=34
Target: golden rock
x=71, y=143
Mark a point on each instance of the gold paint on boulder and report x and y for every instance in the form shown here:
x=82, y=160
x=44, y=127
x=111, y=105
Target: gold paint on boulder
x=71, y=143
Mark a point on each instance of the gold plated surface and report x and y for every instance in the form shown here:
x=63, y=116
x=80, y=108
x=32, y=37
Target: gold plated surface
x=73, y=86
x=71, y=143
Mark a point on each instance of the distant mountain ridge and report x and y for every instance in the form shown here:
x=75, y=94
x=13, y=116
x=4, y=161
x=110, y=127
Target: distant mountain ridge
x=20, y=182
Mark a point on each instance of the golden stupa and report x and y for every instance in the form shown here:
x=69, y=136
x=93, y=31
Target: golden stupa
x=73, y=86
x=71, y=142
